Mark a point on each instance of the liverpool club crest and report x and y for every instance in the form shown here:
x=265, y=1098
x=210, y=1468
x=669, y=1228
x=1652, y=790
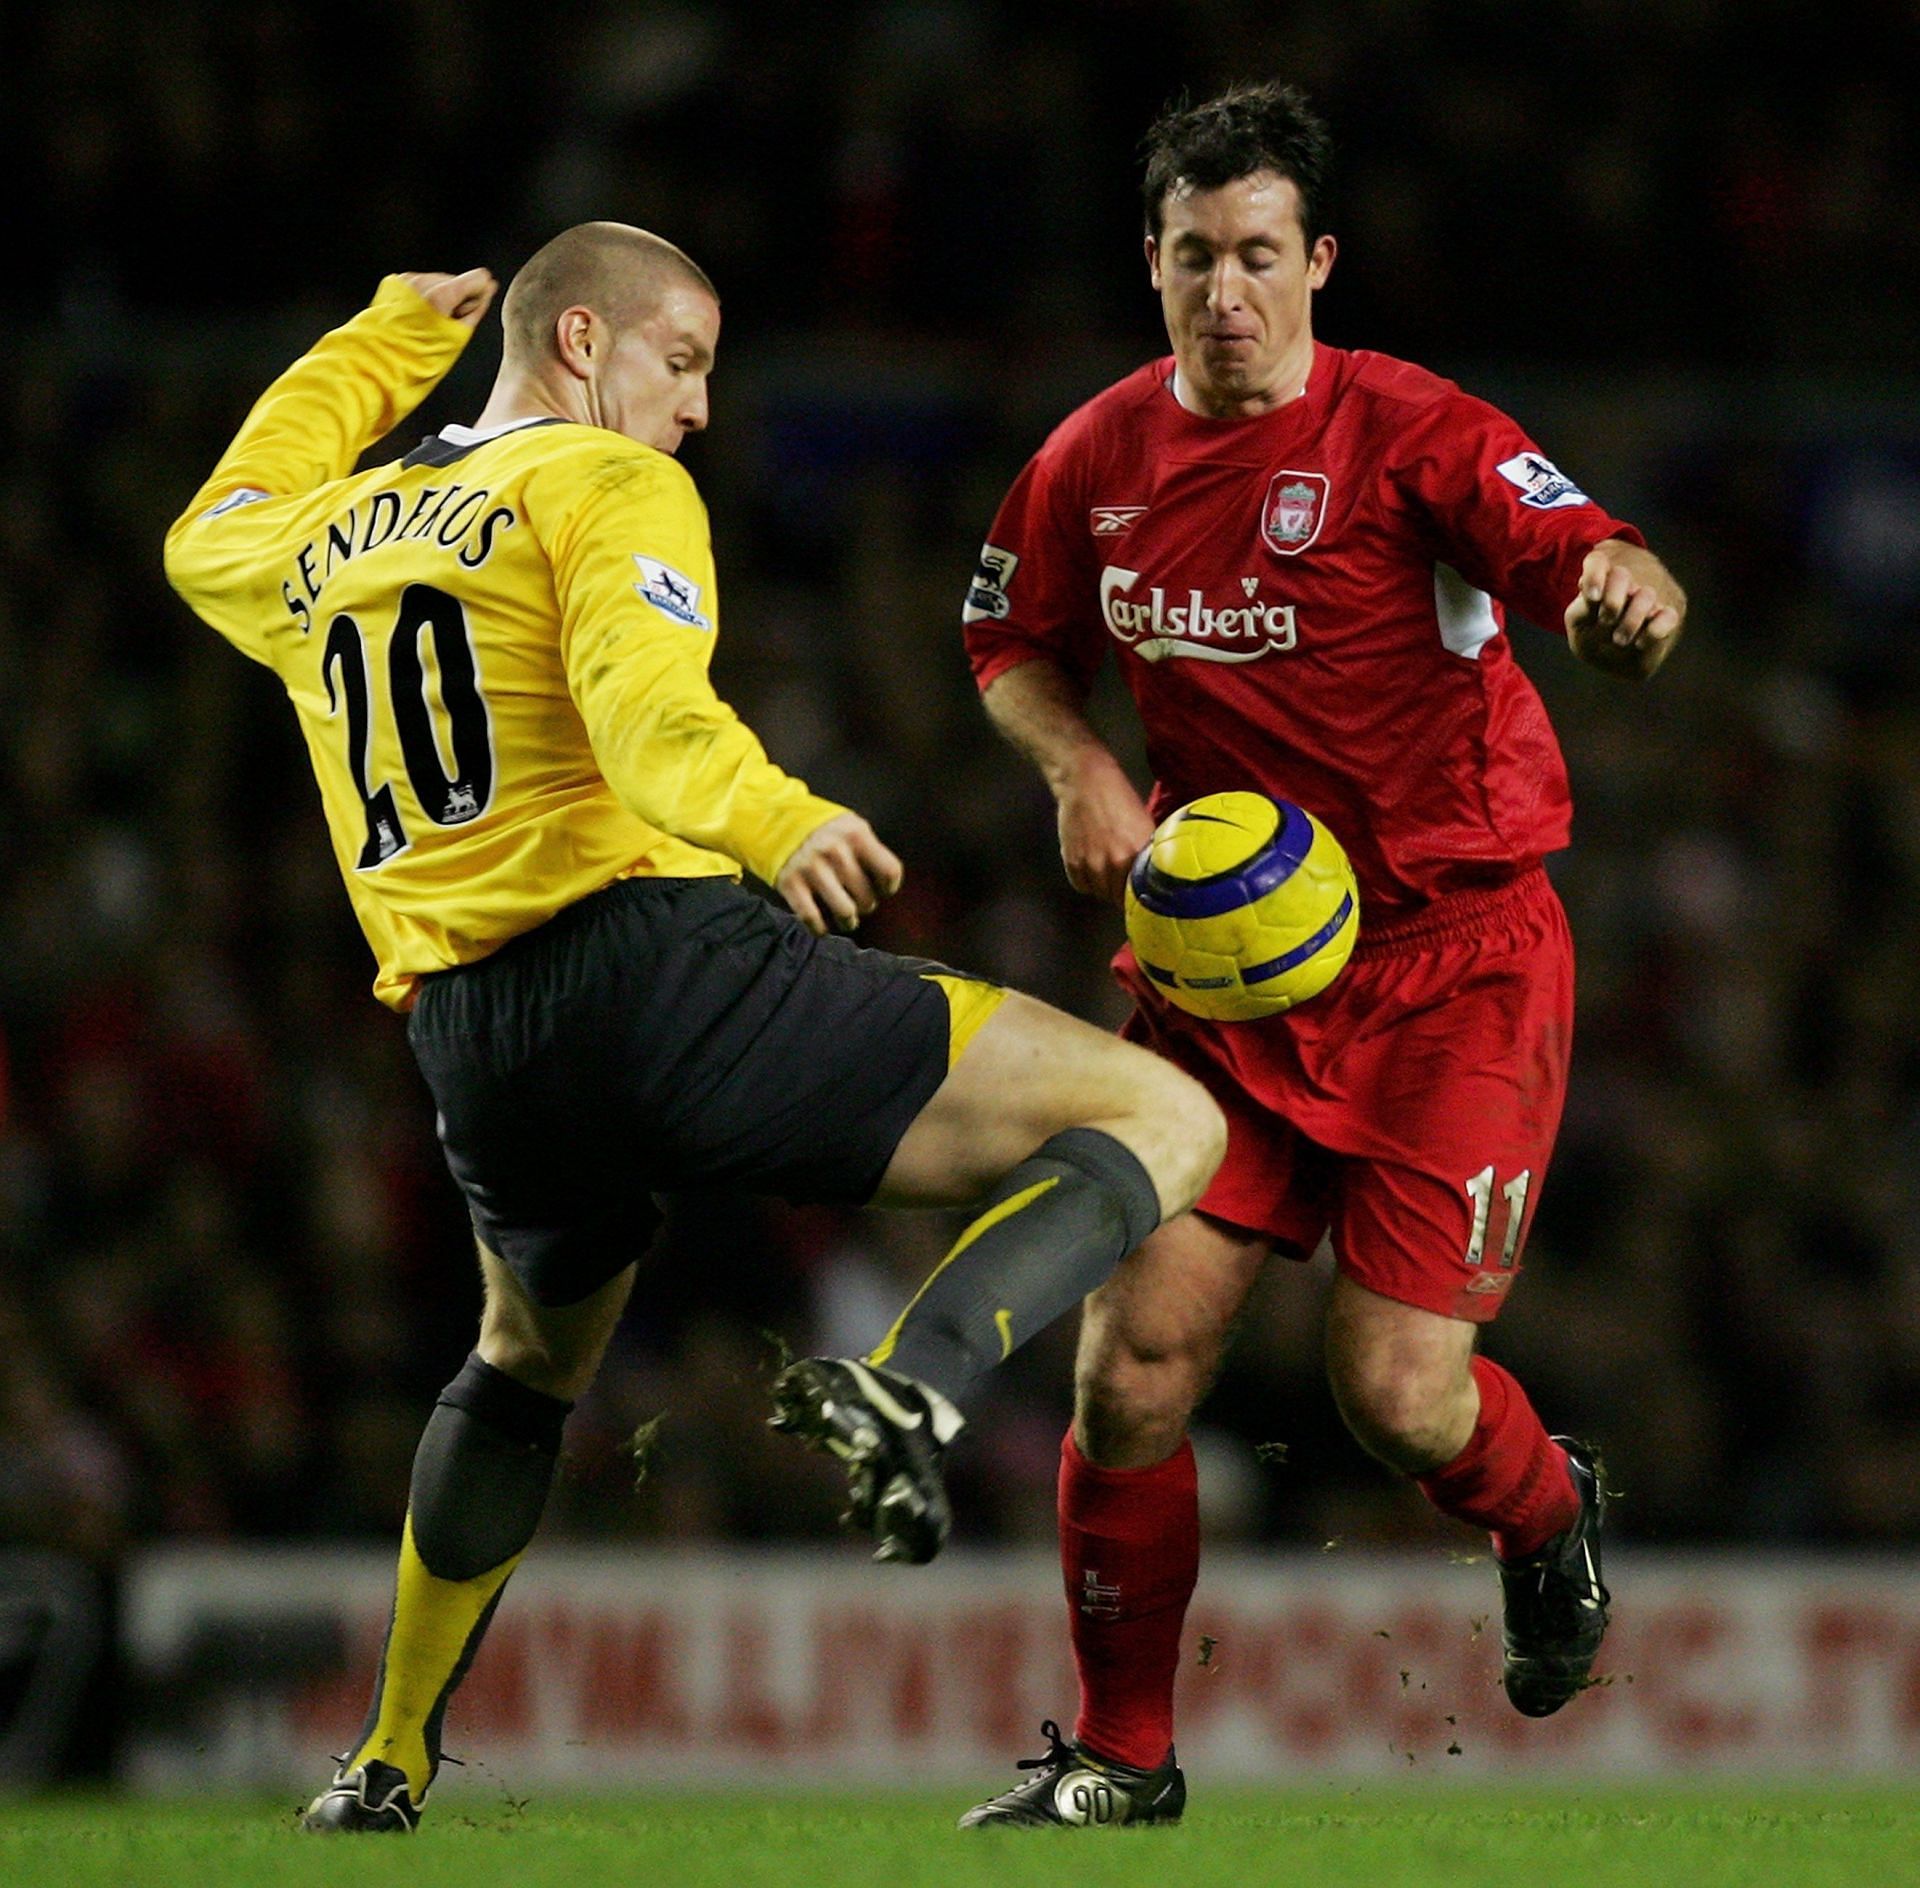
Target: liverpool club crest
x=1290, y=518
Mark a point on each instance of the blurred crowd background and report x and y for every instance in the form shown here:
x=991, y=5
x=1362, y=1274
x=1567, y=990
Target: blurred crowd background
x=1676, y=240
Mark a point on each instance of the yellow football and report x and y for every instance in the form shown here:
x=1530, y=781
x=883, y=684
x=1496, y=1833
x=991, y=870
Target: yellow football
x=1242, y=906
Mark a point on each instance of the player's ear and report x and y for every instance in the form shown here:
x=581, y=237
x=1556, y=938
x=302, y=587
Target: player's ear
x=578, y=340
x=1153, y=259
x=1320, y=262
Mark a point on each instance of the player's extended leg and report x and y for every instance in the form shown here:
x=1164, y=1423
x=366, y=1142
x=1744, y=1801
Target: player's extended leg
x=480, y=1482
x=1150, y=1345
x=1082, y=1144
x=1417, y=1396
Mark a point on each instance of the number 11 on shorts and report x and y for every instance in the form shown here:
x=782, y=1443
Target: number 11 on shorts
x=1480, y=1192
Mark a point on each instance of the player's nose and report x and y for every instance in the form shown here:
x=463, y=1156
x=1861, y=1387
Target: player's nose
x=1223, y=287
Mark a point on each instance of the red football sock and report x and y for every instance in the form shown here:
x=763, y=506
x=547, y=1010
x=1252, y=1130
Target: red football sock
x=1510, y=1479
x=1130, y=1551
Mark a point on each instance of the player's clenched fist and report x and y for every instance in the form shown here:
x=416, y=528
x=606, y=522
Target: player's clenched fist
x=1627, y=613
x=1103, y=825
x=463, y=298
x=837, y=874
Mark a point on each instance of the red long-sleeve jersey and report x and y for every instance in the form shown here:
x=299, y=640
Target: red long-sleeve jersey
x=1311, y=603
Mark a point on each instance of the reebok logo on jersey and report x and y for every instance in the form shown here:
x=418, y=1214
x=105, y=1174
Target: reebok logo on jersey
x=671, y=593
x=1153, y=628
x=1110, y=520
x=987, y=594
x=1541, y=483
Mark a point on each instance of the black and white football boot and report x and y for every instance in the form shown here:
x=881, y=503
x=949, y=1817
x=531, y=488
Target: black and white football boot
x=370, y=1799
x=1556, y=1605
x=890, y=1431
x=1074, y=1788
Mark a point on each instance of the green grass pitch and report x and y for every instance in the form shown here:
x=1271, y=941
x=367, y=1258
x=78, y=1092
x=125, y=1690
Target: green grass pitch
x=1329, y=1836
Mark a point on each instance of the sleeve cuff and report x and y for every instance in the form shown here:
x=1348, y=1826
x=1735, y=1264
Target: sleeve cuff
x=403, y=308
x=781, y=838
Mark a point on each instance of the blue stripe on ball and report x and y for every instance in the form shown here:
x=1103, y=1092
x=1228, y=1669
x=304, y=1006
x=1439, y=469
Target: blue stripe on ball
x=1293, y=959
x=1169, y=897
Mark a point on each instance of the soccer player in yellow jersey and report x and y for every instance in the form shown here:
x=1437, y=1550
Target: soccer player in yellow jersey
x=497, y=650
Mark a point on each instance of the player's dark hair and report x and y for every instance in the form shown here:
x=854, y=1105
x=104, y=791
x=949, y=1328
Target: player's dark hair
x=1249, y=128
x=616, y=270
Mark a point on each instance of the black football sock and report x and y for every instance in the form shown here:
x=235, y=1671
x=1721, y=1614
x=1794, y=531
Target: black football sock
x=1050, y=1232
x=480, y=1481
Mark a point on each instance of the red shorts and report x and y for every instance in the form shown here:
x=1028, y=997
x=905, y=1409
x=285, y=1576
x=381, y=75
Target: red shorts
x=1409, y=1110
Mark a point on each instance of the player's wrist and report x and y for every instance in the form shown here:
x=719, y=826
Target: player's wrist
x=1075, y=769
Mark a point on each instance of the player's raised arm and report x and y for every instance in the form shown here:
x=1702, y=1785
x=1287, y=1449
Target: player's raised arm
x=1518, y=527
x=1103, y=820
x=633, y=574
x=1628, y=612
x=352, y=388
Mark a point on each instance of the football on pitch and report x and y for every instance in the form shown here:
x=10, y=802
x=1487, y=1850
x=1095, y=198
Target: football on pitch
x=1241, y=906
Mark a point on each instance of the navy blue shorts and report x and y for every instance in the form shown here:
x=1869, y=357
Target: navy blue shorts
x=666, y=1034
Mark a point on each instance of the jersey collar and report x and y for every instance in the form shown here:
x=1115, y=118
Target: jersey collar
x=455, y=442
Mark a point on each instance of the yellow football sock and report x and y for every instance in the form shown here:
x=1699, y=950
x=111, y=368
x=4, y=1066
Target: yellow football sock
x=435, y=1629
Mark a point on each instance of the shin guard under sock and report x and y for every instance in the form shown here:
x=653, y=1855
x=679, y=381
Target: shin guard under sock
x=1511, y=1478
x=480, y=1481
x=1051, y=1231
x=1130, y=1554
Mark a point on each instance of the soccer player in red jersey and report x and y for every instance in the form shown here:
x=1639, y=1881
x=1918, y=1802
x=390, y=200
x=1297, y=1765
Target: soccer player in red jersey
x=1302, y=558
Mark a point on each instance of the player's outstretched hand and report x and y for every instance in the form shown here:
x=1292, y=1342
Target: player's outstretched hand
x=837, y=874
x=1627, y=614
x=1103, y=824
x=463, y=298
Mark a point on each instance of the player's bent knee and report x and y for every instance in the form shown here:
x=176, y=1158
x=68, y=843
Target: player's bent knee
x=555, y=1350
x=1135, y=1388
x=1131, y=1421
x=1414, y=1419
x=1184, y=1135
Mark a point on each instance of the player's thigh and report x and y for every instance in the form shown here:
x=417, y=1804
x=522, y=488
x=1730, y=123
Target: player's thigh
x=1030, y=1071
x=552, y=1348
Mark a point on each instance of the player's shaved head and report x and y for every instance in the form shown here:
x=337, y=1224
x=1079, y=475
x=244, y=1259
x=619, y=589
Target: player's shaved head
x=619, y=272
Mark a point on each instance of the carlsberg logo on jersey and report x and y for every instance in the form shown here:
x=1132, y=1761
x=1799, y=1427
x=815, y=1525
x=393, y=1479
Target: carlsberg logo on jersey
x=1153, y=628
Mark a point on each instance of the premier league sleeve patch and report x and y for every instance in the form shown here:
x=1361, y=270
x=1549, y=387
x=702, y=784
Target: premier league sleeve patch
x=987, y=594
x=246, y=495
x=670, y=592
x=1541, y=483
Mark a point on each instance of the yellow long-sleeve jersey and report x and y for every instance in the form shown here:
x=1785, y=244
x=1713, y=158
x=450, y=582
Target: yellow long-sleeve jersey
x=498, y=650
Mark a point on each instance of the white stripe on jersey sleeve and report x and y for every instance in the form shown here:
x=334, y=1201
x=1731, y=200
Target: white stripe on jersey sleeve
x=1465, y=615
